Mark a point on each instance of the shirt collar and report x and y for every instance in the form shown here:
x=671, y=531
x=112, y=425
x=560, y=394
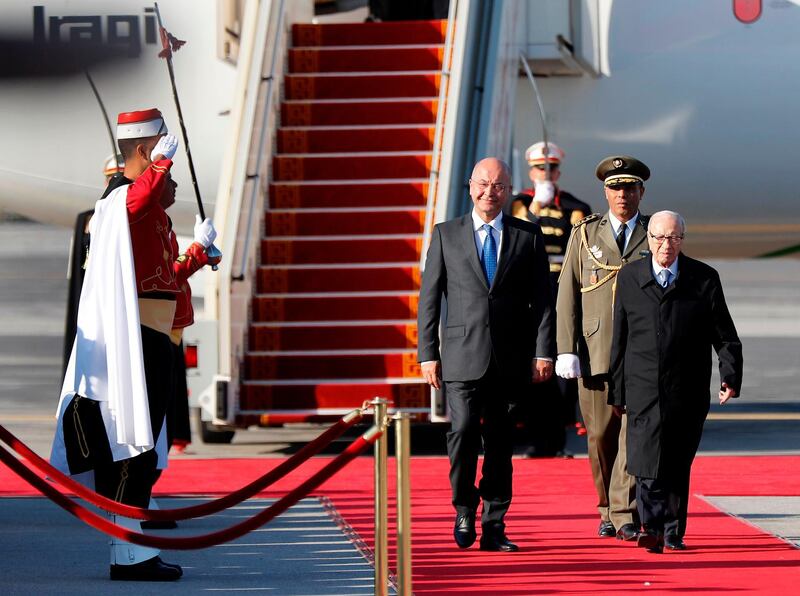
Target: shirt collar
x=658, y=268
x=616, y=223
x=478, y=223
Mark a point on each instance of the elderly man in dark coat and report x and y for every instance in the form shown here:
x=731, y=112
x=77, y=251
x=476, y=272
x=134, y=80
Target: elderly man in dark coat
x=669, y=312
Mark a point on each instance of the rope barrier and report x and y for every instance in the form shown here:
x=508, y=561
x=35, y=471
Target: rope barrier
x=310, y=449
x=205, y=540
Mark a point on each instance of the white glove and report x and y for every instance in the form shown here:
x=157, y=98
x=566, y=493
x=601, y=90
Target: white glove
x=568, y=366
x=544, y=193
x=204, y=232
x=166, y=146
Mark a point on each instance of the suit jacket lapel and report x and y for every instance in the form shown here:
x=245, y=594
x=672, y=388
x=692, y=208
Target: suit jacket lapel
x=510, y=235
x=468, y=239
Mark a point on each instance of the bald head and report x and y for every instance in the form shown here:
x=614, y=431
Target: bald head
x=489, y=187
x=660, y=217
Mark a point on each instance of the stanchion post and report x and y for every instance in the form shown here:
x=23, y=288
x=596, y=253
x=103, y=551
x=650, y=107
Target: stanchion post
x=379, y=406
x=402, y=452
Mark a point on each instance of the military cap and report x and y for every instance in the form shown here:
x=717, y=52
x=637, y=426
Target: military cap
x=113, y=164
x=621, y=169
x=537, y=154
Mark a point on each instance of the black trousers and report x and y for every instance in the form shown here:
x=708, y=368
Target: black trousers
x=479, y=412
x=130, y=480
x=663, y=502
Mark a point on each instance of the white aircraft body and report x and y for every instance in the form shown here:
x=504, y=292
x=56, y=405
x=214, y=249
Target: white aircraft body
x=706, y=100
x=55, y=137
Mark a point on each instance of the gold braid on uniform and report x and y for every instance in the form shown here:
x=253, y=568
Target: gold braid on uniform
x=612, y=269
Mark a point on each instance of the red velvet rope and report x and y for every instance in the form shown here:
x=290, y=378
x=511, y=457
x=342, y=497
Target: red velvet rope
x=204, y=540
x=310, y=449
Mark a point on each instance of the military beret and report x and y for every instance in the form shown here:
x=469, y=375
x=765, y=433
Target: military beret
x=621, y=169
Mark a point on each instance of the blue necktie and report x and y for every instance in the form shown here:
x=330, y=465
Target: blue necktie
x=489, y=254
x=666, y=276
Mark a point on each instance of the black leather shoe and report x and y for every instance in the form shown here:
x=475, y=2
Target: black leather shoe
x=497, y=541
x=674, y=542
x=152, y=570
x=154, y=524
x=464, y=530
x=606, y=530
x=650, y=540
x=627, y=532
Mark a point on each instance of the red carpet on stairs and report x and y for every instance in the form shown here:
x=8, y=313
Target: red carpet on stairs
x=552, y=519
x=334, y=313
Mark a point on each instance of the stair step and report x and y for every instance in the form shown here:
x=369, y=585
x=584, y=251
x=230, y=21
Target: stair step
x=370, y=85
x=346, y=167
x=390, y=33
x=315, y=223
x=365, y=59
x=267, y=396
x=369, y=193
x=366, y=308
x=317, y=251
x=331, y=366
x=332, y=112
x=333, y=337
x=281, y=280
x=305, y=140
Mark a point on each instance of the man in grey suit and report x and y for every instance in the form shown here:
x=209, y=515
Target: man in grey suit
x=498, y=336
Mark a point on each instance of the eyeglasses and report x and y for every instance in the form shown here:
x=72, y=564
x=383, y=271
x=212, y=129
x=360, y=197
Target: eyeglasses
x=483, y=185
x=662, y=239
x=542, y=167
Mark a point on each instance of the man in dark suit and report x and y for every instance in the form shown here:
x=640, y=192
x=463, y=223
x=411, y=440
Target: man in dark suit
x=498, y=337
x=668, y=314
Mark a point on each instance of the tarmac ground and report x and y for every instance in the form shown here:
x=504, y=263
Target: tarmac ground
x=762, y=296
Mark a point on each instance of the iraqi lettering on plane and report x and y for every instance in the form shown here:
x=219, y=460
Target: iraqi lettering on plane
x=124, y=31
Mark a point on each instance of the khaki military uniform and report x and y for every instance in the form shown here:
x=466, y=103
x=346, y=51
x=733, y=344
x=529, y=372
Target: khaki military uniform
x=585, y=306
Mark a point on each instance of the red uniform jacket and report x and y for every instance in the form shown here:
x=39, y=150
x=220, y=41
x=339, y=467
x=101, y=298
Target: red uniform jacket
x=153, y=255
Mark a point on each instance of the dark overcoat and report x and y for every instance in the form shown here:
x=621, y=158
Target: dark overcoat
x=661, y=361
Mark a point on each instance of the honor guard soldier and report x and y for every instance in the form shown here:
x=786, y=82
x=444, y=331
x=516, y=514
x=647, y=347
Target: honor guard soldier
x=119, y=378
x=599, y=246
x=555, y=210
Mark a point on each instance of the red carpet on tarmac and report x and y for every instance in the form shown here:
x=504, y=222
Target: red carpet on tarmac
x=554, y=522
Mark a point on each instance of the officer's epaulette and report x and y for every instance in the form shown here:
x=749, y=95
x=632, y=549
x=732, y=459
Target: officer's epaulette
x=586, y=220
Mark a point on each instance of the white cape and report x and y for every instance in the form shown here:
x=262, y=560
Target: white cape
x=106, y=363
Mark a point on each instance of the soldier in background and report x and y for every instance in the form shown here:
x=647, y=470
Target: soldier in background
x=555, y=210
x=599, y=246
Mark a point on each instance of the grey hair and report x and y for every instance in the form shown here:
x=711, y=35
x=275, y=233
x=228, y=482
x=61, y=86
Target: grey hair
x=674, y=215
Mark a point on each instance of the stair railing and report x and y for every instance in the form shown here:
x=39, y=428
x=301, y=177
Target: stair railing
x=444, y=128
x=242, y=189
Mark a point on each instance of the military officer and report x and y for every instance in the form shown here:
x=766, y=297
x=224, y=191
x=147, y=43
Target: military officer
x=555, y=210
x=599, y=246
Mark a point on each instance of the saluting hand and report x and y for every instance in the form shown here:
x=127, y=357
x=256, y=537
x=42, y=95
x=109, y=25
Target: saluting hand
x=165, y=148
x=725, y=393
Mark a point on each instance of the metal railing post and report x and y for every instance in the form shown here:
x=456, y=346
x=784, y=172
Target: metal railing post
x=402, y=453
x=380, y=406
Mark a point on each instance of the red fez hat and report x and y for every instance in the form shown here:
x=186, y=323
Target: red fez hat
x=141, y=124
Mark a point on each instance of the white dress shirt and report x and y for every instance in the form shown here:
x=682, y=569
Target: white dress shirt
x=480, y=233
x=630, y=224
x=657, y=269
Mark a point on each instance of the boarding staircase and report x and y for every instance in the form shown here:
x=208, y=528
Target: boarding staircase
x=333, y=313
